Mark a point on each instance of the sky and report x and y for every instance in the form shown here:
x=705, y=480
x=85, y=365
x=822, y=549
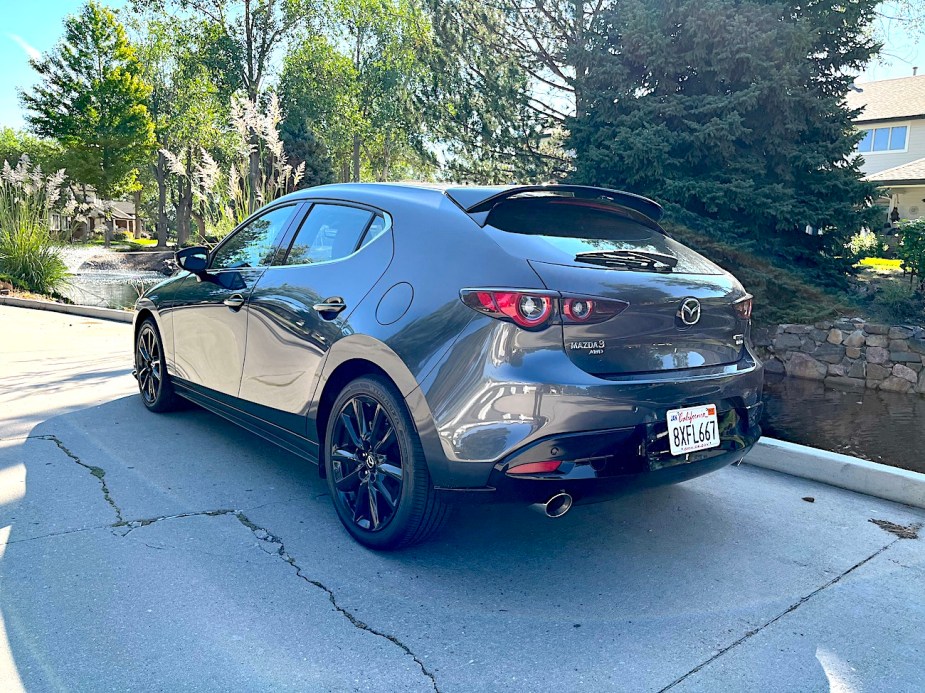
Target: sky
x=31, y=27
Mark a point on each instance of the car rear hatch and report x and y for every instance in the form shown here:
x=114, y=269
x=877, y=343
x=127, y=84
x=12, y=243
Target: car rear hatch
x=680, y=308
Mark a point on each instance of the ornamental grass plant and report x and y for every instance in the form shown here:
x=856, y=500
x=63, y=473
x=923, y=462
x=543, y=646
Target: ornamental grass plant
x=28, y=251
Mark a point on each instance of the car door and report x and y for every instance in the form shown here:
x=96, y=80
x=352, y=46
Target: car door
x=302, y=304
x=209, y=320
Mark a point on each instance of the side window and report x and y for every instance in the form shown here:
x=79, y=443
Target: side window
x=255, y=244
x=329, y=233
x=379, y=226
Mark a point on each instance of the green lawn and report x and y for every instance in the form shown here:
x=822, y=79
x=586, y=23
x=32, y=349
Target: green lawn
x=128, y=244
x=882, y=264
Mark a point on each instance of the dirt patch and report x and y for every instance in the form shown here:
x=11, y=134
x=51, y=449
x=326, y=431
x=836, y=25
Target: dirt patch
x=901, y=531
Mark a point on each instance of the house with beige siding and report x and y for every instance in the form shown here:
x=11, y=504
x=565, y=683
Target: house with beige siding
x=892, y=121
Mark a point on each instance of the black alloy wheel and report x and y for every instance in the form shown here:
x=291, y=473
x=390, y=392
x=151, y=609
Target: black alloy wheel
x=366, y=462
x=376, y=469
x=151, y=371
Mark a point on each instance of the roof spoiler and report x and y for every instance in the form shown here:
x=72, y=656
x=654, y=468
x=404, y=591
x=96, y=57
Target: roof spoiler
x=477, y=201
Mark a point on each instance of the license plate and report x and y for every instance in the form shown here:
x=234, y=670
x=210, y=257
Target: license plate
x=692, y=428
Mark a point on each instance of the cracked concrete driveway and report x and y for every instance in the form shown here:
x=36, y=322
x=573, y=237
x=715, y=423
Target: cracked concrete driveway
x=179, y=553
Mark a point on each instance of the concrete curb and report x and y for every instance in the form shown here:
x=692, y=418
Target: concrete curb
x=843, y=471
x=85, y=311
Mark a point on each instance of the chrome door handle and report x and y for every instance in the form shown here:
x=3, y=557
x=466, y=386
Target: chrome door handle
x=235, y=301
x=330, y=307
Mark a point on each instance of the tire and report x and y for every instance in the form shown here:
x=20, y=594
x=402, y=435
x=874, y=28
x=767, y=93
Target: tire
x=154, y=386
x=378, y=479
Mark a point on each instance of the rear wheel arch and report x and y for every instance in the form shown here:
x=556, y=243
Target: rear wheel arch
x=339, y=378
x=359, y=355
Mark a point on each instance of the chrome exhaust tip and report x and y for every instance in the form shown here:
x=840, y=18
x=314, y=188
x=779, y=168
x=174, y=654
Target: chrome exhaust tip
x=556, y=506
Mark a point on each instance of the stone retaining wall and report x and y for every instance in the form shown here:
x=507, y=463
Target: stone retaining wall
x=847, y=354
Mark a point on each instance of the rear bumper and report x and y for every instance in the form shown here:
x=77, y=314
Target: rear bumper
x=600, y=465
x=513, y=394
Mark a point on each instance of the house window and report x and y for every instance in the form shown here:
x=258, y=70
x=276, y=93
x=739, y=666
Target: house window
x=889, y=139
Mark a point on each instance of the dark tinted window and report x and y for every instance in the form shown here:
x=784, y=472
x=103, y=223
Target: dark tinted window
x=255, y=244
x=566, y=227
x=329, y=233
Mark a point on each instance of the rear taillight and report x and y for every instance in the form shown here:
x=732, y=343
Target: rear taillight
x=584, y=311
x=743, y=307
x=533, y=310
x=530, y=310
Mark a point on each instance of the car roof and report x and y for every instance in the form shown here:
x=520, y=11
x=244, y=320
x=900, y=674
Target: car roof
x=477, y=200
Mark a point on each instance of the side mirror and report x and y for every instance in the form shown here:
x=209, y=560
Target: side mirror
x=195, y=259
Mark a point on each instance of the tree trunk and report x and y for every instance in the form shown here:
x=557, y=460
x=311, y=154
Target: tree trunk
x=200, y=218
x=184, y=211
x=254, y=174
x=386, y=149
x=160, y=175
x=138, y=227
x=86, y=227
x=356, y=158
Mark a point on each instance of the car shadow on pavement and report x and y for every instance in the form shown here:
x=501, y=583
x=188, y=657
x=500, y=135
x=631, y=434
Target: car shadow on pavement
x=636, y=593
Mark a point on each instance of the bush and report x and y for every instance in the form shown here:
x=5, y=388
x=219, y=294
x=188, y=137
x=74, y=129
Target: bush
x=865, y=244
x=120, y=236
x=31, y=260
x=898, y=302
x=911, y=249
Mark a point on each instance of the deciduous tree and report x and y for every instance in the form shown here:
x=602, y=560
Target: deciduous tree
x=92, y=100
x=356, y=87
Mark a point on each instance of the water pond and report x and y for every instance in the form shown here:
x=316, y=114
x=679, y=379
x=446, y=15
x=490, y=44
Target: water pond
x=883, y=427
x=108, y=288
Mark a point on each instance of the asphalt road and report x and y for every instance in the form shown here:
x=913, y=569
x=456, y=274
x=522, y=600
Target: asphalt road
x=178, y=553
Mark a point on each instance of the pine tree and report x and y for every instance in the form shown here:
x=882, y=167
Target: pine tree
x=92, y=101
x=732, y=110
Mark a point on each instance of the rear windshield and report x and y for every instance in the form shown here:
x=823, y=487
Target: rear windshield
x=569, y=227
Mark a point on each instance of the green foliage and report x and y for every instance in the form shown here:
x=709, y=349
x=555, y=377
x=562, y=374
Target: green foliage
x=191, y=115
x=911, y=250
x=27, y=251
x=354, y=88
x=14, y=144
x=91, y=100
x=865, y=244
x=239, y=39
x=304, y=147
x=898, y=302
x=32, y=260
x=502, y=79
x=734, y=112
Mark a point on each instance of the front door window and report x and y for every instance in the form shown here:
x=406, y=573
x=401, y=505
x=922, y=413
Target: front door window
x=253, y=245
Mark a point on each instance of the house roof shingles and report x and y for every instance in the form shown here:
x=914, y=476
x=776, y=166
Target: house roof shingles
x=889, y=98
x=908, y=172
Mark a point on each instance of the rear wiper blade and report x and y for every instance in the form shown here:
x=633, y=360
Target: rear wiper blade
x=635, y=259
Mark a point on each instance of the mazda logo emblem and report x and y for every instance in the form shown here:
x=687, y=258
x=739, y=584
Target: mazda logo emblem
x=690, y=311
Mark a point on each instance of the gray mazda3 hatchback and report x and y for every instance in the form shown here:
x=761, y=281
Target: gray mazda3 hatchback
x=431, y=345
